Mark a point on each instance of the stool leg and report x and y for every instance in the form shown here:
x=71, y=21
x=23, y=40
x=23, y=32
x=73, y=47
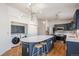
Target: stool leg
x=46, y=49
x=38, y=52
x=33, y=52
x=41, y=51
x=30, y=49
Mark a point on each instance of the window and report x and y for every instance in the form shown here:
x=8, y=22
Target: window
x=17, y=29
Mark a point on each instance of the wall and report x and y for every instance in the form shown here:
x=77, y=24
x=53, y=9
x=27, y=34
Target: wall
x=18, y=16
x=41, y=27
x=4, y=29
x=9, y=14
x=32, y=30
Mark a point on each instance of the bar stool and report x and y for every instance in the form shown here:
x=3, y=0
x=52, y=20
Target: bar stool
x=39, y=49
x=45, y=48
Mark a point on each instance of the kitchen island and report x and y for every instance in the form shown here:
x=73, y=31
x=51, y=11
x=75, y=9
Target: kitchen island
x=29, y=42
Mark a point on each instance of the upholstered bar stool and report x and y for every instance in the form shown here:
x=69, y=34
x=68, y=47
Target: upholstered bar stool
x=38, y=47
x=45, y=48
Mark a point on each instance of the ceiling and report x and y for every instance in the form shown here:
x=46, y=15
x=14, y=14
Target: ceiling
x=49, y=11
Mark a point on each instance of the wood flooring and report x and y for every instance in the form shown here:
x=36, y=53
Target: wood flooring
x=59, y=49
x=14, y=51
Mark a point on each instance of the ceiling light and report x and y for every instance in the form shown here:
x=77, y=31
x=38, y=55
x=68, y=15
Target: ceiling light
x=44, y=22
x=30, y=4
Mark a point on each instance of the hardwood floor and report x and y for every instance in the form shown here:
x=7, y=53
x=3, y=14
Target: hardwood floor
x=14, y=51
x=58, y=50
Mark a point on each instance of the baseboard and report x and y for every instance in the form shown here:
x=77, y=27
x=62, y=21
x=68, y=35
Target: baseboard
x=4, y=51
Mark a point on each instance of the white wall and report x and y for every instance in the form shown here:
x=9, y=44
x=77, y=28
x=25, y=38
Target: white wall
x=4, y=29
x=18, y=16
x=41, y=27
x=32, y=30
x=9, y=14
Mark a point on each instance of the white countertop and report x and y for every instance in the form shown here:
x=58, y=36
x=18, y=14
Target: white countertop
x=73, y=40
x=37, y=38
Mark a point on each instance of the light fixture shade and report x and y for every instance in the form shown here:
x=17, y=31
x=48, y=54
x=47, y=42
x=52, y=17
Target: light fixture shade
x=44, y=22
x=30, y=4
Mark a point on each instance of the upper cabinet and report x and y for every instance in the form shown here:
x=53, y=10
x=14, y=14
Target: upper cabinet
x=76, y=19
x=71, y=26
x=74, y=24
x=67, y=26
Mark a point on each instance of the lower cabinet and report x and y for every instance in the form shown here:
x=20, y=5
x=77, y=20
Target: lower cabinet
x=28, y=49
x=25, y=49
x=72, y=48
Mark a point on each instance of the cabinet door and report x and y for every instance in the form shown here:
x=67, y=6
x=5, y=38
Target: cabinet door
x=77, y=18
x=73, y=48
x=25, y=49
x=74, y=25
x=65, y=26
x=75, y=22
x=69, y=48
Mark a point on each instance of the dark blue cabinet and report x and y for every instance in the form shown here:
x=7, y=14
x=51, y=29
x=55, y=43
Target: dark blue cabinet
x=28, y=49
x=65, y=27
x=76, y=19
x=68, y=26
x=72, y=48
x=75, y=22
x=73, y=25
x=25, y=47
